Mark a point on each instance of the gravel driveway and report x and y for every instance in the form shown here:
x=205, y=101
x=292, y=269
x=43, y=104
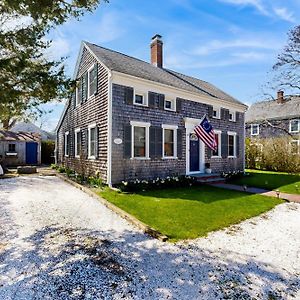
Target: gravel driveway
x=56, y=242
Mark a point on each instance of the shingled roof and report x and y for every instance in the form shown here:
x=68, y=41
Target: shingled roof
x=267, y=110
x=11, y=136
x=122, y=63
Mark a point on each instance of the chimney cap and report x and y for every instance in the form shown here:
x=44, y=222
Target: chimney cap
x=157, y=36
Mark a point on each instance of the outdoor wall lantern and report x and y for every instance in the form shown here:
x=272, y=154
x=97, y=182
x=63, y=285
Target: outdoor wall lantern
x=277, y=193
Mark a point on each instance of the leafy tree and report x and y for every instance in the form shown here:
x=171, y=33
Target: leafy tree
x=288, y=63
x=27, y=77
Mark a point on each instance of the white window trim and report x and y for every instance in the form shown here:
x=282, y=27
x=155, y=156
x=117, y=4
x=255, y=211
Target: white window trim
x=88, y=81
x=67, y=133
x=291, y=126
x=218, y=109
x=219, y=133
x=173, y=104
x=77, y=155
x=233, y=115
x=298, y=144
x=147, y=126
x=172, y=127
x=234, y=143
x=252, y=125
x=145, y=97
x=91, y=126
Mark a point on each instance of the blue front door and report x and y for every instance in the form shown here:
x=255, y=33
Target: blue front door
x=194, y=153
x=31, y=153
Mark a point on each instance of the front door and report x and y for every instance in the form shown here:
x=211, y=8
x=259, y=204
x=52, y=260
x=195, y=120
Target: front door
x=31, y=153
x=194, y=153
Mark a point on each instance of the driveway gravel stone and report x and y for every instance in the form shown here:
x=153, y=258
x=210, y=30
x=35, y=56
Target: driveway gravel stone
x=56, y=242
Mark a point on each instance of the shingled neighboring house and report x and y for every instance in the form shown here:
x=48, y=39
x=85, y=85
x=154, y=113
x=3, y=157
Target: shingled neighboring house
x=132, y=119
x=275, y=118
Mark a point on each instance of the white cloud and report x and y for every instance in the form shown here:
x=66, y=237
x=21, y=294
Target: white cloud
x=110, y=28
x=258, y=4
x=60, y=47
x=219, y=45
x=284, y=14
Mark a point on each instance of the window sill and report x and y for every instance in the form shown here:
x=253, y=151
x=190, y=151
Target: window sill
x=231, y=156
x=294, y=131
x=66, y=155
x=11, y=153
x=169, y=109
x=255, y=134
x=140, y=158
x=138, y=104
x=92, y=157
x=169, y=157
x=216, y=156
x=218, y=118
x=77, y=156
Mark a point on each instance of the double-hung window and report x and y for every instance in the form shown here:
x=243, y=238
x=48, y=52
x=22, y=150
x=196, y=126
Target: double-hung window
x=217, y=153
x=254, y=129
x=294, y=126
x=92, y=146
x=11, y=147
x=232, y=115
x=92, y=80
x=77, y=142
x=231, y=144
x=140, y=99
x=295, y=146
x=216, y=113
x=67, y=143
x=140, y=139
x=170, y=104
x=169, y=141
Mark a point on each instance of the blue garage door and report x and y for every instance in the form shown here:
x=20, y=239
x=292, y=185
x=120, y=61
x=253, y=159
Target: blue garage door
x=31, y=153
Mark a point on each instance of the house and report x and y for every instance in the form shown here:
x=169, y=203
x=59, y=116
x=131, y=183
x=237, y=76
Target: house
x=132, y=119
x=30, y=127
x=275, y=118
x=22, y=148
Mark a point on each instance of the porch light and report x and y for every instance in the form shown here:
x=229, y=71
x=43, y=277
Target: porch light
x=277, y=193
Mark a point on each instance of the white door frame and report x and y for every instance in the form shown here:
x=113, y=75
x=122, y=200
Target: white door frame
x=190, y=124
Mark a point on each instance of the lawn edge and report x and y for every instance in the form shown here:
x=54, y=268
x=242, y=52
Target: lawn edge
x=123, y=214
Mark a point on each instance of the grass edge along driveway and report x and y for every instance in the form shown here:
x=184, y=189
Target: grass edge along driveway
x=188, y=213
x=284, y=182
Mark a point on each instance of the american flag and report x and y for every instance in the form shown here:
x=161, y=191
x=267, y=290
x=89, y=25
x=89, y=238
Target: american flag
x=205, y=132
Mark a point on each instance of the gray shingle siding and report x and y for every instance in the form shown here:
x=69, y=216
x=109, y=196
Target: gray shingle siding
x=128, y=169
x=94, y=110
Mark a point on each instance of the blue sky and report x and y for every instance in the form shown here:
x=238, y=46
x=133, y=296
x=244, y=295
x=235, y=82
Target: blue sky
x=230, y=43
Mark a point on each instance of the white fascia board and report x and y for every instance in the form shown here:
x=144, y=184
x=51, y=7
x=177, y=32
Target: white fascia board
x=172, y=92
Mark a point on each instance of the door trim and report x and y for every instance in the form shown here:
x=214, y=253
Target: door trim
x=190, y=123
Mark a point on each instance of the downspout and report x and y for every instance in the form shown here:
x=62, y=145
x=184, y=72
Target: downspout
x=109, y=128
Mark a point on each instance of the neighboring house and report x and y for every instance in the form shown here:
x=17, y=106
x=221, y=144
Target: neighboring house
x=22, y=148
x=131, y=119
x=30, y=127
x=275, y=118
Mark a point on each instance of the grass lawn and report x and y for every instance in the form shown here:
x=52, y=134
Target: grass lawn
x=284, y=182
x=187, y=213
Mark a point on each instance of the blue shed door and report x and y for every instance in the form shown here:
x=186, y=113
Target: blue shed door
x=31, y=153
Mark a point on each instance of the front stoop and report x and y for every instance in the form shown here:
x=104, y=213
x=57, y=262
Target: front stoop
x=213, y=178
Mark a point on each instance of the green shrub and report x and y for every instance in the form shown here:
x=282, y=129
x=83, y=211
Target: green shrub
x=95, y=181
x=61, y=169
x=54, y=166
x=157, y=183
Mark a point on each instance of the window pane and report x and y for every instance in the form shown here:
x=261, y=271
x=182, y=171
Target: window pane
x=168, y=104
x=169, y=142
x=216, y=153
x=231, y=145
x=11, y=147
x=139, y=99
x=139, y=141
x=92, y=141
x=93, y=81
x=294, y=125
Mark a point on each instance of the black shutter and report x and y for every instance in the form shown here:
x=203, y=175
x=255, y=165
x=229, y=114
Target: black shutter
x=97, y=142
x=237, y=116
x=237, y=145
x=178, y=105
x=86, y=143
x=161, y=101
x=179, y=143
x=96, y=75
x=129, y=95
x=210, y=111
x=73, y=99
x=80, y=144
x=151, y=99
x=127, y=141
x=158, y=143
x=84, y=87
x=79, y=87
x=209, y=152
x=224, y=145
x=152, y=141
x=72, y=150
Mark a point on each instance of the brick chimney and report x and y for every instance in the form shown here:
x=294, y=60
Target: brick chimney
x=280, y=97
x=157, y=51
